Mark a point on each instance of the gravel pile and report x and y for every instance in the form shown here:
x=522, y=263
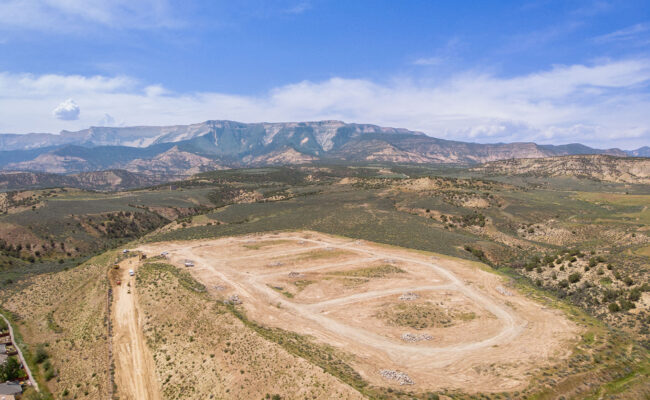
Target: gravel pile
x=409, y=296
x=275, y=264
x=219, y=287
x=400, y=377
x=411, y=337
x=503, y=291
x=294, y=274
x=234, y=299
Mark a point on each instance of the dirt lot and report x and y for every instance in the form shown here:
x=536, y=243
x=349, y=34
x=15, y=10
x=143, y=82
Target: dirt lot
x=471, y=331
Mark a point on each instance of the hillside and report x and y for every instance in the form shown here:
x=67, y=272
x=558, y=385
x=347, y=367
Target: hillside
x=96, y=180
x=598, y=167
x=321, y=299
x=183, y=150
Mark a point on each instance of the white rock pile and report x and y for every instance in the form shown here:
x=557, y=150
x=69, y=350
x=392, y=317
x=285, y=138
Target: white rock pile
x=409, y=296
x=398, y=376
x=411, y=337
x=234, y=299
x=275, y=264
x=503, y=291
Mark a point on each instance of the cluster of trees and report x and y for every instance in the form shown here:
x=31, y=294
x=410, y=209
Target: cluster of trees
x=125, y=224
x=472, y=219
x=615, y=300
x=11, y=370
x=28, y=252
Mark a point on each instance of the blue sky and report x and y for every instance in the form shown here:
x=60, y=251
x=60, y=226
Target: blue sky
x=545, y=71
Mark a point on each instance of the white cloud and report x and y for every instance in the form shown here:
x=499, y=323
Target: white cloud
x=629, y=33
x=107, y=120
x=428, y=61
x=604, y=104
x=298, y=8
x=67, y=111
x=64, y=15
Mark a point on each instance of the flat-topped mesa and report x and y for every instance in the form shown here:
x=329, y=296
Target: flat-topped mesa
x=237, y=144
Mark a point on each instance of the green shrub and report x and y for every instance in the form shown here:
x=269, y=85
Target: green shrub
x=575, y=277
x=41, y=354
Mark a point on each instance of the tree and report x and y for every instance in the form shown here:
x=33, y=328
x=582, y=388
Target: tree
x=10, y=370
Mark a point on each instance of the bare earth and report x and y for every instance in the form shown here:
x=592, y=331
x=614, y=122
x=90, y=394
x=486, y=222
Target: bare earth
x=488, y=337
x=134, y=373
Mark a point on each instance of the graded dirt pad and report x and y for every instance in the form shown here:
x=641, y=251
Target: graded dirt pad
x=471, y=334
x=134, y=373
x=443, y=317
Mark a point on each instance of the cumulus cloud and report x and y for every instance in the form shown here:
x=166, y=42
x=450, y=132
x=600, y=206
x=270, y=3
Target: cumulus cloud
x=67, y=111
x=107, y=120
x=603, y=104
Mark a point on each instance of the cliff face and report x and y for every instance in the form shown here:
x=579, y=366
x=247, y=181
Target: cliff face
x=598, y=167
x=187, y=149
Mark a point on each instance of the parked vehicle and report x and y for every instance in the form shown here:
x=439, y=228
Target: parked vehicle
x=131, y=272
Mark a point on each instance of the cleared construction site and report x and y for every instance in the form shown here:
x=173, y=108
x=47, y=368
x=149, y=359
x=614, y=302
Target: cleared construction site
x=405, y=317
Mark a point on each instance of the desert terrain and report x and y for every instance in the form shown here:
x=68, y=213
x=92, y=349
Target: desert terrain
x=405, y=317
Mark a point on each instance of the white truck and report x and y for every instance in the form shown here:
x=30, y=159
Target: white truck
x=131, y=272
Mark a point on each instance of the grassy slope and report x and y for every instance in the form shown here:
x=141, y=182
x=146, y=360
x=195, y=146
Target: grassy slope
x=66, y=312
x=201, y=349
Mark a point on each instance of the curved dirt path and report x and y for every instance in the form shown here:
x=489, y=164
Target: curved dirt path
x=249, y=286
x=510, y=330
x=134, y=366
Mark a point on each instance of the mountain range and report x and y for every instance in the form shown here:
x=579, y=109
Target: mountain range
x=183, y=150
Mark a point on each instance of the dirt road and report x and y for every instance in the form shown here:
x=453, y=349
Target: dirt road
x=505, y=340
x=134, y=366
